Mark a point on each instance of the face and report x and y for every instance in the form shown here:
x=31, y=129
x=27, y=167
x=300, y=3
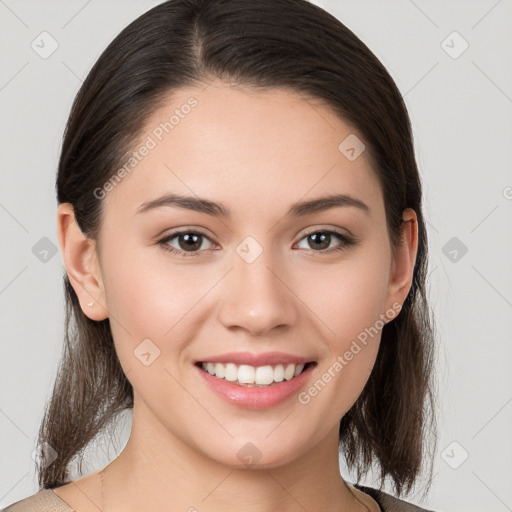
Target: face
x=255, y=281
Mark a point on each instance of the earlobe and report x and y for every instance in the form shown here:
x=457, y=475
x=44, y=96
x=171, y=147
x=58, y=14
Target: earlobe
x=404, y=259
x=81, y=262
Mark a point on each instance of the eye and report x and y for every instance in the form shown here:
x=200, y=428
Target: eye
x=322, y=239
x=189, y=242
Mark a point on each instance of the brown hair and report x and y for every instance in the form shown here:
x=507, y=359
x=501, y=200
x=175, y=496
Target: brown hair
x=262, y=44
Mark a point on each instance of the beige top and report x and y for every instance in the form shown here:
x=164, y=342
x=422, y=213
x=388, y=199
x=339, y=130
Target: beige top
x=47, y=501
x=43, y=501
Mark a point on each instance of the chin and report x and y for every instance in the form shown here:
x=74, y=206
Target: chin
x=254, y=455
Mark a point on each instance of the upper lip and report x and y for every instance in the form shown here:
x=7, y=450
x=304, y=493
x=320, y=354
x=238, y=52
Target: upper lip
x=266, y=358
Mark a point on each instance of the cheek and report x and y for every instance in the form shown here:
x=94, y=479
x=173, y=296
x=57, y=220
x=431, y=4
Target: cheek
x=347, y=297
x=148, y=293
x=148, y=309
x=150, y=298
x=144, y=302
x=349, y=300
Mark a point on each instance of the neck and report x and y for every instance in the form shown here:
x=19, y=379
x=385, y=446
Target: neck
x=176, y=477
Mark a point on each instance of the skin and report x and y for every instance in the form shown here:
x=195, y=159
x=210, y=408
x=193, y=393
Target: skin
x=257, y=153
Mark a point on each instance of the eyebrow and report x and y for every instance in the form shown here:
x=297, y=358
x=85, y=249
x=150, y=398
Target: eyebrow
x=214, y=209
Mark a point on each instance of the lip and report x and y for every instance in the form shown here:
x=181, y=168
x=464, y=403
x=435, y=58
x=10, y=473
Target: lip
x=255, y=397
x=267, y=358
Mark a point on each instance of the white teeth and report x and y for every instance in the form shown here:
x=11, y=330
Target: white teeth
x=279, y=373
x=298, y=370
x=264, y=375
x=251, y=375
x=220, y=370
x=231, y=372
x=246, y=374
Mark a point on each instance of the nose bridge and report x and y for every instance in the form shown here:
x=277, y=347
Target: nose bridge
x=257, y=298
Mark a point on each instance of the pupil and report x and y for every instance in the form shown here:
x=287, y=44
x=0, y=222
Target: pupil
x=191, y=241
x=323, y=236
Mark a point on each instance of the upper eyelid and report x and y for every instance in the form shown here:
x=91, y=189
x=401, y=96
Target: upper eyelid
x=334, y=231
x=174, y=234
x=330, y=229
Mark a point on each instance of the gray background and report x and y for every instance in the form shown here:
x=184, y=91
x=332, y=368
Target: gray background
x=460, y=105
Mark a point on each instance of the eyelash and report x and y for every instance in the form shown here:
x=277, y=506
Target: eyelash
x=347, y=241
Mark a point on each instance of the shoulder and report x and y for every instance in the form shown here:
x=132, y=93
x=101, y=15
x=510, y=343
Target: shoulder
x=43, y=501
x=389, y=503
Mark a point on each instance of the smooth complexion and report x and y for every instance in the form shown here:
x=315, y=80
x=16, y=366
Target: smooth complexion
x=257, y=153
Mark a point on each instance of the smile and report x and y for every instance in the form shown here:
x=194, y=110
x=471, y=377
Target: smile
x=252, y=376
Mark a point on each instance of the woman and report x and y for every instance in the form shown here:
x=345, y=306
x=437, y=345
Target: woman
x=240, y=218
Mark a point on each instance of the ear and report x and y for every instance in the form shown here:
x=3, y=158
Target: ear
x=81, y=262
x=404, y=259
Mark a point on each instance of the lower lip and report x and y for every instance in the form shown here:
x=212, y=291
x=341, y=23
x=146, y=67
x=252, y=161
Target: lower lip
x=255, y=397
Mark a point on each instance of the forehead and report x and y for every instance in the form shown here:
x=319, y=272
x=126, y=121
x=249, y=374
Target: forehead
x=248, y=148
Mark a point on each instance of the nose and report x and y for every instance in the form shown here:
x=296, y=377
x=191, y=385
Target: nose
x=257, y=296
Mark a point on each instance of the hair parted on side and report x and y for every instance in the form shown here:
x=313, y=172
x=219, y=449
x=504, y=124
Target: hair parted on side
x=261, y=44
